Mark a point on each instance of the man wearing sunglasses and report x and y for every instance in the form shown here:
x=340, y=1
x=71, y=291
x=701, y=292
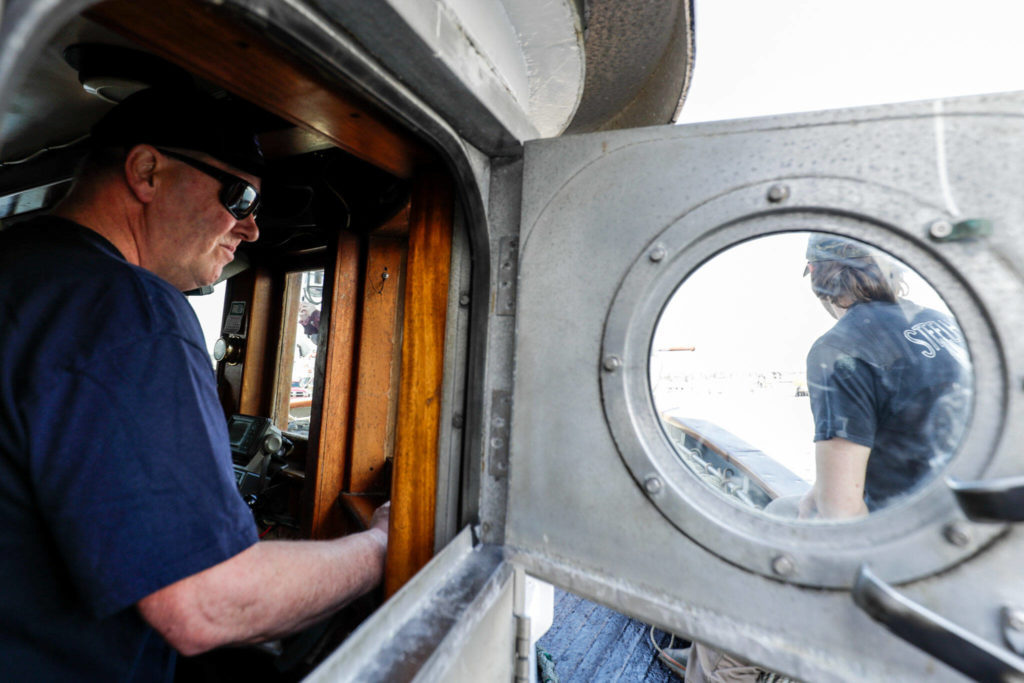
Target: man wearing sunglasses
x=120, y=509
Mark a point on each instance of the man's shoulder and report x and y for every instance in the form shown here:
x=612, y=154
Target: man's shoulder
x=62, y=275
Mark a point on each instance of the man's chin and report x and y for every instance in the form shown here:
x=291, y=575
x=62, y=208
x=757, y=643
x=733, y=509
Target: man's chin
x=209, y=279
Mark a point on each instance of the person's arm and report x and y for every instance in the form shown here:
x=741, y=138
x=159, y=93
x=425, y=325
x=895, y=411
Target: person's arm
x=272, y=589
x=838, y=490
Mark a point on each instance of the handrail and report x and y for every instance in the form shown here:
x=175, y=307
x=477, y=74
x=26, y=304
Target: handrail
x=774, y=478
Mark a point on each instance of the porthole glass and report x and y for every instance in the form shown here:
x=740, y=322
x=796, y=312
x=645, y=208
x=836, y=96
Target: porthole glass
x=810, y=376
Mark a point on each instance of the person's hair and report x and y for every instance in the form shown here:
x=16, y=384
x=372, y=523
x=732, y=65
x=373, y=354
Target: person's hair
x=844, y=283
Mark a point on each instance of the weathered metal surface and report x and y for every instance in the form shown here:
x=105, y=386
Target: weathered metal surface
x=640, y=57
x=505, y=71
x=423, y=630
x=594, y=208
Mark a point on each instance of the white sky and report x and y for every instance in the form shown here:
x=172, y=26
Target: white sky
x=756, y=57
x=750, y=308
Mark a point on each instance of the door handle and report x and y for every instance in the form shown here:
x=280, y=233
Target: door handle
x=990, y=500
x=939, y=637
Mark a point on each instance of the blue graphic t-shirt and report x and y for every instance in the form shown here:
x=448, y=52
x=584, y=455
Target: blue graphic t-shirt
x=894, y=377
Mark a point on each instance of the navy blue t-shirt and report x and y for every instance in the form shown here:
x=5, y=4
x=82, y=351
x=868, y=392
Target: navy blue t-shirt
x=894, y=377
x=115, y=471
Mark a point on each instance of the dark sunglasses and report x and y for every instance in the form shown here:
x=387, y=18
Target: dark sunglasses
x=238, y=196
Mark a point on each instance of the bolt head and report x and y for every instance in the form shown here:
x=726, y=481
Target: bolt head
x=464, y=300
x=652, y=484
x=941, y=229
x=957, y=534
x=612, y=363
x=783, y=565
x=778, y=193
x=657, y=254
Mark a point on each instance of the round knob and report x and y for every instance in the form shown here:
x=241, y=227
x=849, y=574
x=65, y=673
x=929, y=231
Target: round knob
x=272, y=443
x=228, y=350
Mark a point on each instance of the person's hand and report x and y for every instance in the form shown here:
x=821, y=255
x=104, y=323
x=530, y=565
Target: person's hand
x=379, y=523
x=808, y=506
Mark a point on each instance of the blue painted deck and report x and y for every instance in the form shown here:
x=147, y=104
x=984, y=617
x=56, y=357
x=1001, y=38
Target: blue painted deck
x=593, y=644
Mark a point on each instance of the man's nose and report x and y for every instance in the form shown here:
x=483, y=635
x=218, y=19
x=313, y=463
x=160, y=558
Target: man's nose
x=247, y=228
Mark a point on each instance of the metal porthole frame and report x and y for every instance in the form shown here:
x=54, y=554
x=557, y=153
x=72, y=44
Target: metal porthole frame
x=908, y=541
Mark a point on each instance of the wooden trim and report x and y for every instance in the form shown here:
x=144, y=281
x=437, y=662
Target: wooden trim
x=377, y=382
x=414, y=479
x=329, y=433
x=213, y=43
x=396, y=226
x=286, y=350
x=255, y=395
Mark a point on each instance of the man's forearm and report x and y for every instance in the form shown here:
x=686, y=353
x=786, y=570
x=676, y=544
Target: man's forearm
x=841, y=471
x=271, y=589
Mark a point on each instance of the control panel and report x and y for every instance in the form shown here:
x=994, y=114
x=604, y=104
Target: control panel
x=254, y=442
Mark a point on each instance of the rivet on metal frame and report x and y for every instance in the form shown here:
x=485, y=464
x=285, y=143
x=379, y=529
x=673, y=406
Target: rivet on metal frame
x=652, y=484
x=957, y=533
x=612, y=363
x=783, y=565
x=657, y=254
x=778, y=193
x=1013, y=628
x=943, y=230
x=940, y=229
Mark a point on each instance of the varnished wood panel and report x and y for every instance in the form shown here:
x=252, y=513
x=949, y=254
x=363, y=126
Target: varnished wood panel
x=380, y=335
x=397, y=226
x=333, y=390
x=414, y=479
x=213, y=43
x=255, y=396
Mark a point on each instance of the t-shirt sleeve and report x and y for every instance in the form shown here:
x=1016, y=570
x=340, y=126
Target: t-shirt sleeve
x=131, y=465
x=842, y=393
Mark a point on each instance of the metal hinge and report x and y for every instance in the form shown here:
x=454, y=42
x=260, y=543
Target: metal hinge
x=522, y=648
x=508, y=270
x=500, y=431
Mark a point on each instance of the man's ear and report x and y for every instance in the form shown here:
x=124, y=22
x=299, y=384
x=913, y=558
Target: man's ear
x=140, y=172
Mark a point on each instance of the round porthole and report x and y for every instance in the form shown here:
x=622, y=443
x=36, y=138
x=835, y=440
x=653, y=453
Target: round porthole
x=790, y=388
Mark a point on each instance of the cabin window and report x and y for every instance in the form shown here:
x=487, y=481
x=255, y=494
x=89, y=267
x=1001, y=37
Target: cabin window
x=749, y=365
x=300, y=344
x=209, y=309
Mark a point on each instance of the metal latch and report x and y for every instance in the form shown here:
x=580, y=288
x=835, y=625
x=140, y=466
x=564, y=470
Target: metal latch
x=964, y=651
x=991, y=500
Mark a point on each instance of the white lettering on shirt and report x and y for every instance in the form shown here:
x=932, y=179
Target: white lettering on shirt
x=936, y=335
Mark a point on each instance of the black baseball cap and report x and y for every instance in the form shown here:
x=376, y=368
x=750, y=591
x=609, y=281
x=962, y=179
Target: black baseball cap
x=182, y=118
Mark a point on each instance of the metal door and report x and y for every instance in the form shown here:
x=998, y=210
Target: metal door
x=599, y=501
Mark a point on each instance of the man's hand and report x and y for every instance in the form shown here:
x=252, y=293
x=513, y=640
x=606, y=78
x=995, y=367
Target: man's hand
x=808, y=505
x=379, y=523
